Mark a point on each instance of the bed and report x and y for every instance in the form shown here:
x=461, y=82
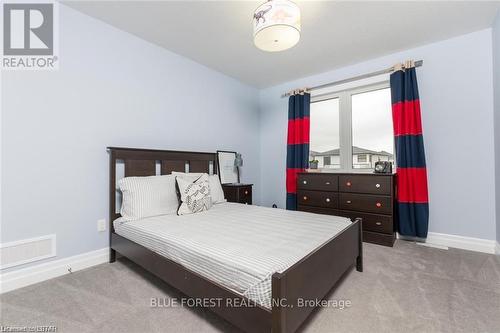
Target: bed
x=262, y=259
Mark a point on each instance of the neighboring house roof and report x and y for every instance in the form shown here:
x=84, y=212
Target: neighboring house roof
x=355, y=151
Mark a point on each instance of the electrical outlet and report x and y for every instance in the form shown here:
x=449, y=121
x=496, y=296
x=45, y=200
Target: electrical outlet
x=101, y=225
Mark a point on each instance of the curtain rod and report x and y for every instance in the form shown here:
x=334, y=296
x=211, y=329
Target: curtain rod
x=418, y=63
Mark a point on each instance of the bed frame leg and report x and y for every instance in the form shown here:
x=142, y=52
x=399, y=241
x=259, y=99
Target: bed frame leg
x=359, y=259
x=359, y=263
x=112, y=256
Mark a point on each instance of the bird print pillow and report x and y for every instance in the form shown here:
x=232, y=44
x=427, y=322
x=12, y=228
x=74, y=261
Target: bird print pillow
x=194, y=195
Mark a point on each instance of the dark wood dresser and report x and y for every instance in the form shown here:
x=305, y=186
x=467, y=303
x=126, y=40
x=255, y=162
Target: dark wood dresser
x=241, y=193
x=369, y=196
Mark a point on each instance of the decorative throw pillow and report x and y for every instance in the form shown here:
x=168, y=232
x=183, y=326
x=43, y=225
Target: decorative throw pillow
x=216, y=191
x=195, y=195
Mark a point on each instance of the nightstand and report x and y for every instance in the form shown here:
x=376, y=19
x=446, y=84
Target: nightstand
x=241, y=193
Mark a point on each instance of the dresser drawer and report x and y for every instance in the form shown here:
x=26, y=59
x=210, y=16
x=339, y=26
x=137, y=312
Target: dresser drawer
x=376, y=238
x=372, y=222
x=365, y=184
x=318, y=199
x=365, y=203
x=324, y=182
x=245, y=195
x=318, y=210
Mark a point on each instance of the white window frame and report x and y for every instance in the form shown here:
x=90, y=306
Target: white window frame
x=345, y=121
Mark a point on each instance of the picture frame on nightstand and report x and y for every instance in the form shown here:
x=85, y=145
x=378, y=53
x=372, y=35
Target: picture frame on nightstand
x=227, y=170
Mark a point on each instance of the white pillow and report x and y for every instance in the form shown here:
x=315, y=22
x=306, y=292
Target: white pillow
x=216, y=191
x=195, y=195
x=147, y=196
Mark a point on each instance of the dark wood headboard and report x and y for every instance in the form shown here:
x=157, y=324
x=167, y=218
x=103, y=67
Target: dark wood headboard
x=142, y=162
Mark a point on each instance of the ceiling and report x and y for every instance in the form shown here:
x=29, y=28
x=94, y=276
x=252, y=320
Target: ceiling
x=218, y=34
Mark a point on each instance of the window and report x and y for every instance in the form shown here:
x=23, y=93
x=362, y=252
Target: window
x=361, y=158
x=325, y=133
x=372, y=127
x=352, y=129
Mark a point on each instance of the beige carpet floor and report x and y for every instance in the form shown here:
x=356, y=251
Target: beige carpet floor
x=408, y=288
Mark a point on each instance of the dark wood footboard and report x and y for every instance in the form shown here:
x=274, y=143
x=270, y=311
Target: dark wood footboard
x=313, y=277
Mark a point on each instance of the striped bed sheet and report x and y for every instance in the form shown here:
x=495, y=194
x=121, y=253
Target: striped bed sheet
x=238, y=246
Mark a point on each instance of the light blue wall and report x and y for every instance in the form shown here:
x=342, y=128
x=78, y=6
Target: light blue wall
x=112, y=89
x=457, y=109
x=496, y=87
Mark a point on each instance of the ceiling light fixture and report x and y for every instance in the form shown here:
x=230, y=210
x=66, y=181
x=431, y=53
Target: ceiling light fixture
x=276, y=25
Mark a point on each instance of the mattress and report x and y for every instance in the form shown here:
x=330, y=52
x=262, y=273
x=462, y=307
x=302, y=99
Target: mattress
x=238, y=246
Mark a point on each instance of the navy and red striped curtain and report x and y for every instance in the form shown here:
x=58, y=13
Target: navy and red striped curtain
x=297, y=154
x=413, y=203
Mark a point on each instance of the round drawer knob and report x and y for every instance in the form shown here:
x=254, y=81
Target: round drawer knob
x=348, y=183
x=348, y=201
x=378, y=223
x=246, y=192
x=304, y=182
x=305, y=198
x=327, y=183
x=378, y=204
x=377, y=185
x=327, y=199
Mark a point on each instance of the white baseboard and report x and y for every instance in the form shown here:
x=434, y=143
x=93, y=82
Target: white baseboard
x=461, y=242
x=26, y=276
